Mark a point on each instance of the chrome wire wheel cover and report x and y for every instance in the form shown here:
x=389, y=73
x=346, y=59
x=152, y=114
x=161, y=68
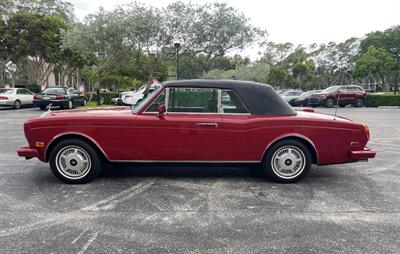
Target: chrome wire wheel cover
x=288, y=162
x=73, y=162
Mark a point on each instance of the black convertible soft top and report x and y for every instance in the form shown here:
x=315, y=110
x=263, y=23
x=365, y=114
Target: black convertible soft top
x=260, y=99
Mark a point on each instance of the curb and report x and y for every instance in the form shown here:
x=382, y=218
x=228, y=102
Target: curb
x=389, y=107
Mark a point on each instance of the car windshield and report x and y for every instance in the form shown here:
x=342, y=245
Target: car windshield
x=331, y=89
x=6, y=91
x=54, y=90
x=308, y=93
x=151, y=94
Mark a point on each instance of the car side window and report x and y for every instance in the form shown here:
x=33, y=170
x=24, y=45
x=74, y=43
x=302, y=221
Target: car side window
x=231, y=103
x=193, y=100
x=27, y=92
x=20, y=91
x=159, y=101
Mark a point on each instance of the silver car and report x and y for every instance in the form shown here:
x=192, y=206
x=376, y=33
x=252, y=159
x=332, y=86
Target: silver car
x=15, y=97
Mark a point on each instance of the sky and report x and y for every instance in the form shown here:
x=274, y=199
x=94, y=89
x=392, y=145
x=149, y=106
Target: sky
x=297, y=21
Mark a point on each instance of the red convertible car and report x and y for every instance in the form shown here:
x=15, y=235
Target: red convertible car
x=196, y=121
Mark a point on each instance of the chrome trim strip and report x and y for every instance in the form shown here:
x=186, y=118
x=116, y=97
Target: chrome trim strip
x=166, y=99
x=183, y=161
x=191, y=113
x=219, y=101
x=145, y=111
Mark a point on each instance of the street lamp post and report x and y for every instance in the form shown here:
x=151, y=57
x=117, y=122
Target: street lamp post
x=396, y=82
x=177, y=46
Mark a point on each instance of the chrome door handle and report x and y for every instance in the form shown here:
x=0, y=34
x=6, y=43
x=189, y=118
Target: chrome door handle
x=207, y=124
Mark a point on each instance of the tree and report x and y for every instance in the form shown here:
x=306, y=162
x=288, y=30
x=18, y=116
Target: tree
x=276, y=53
x=389, y=40
x=58, y=8
x=376, y=61
x=212, y=29
x=32, y=42
x=280, y=77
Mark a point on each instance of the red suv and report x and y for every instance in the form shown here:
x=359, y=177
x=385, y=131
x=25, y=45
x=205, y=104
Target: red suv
x=354, y=95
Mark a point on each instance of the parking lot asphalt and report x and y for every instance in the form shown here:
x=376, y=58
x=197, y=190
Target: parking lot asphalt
x=349, y=208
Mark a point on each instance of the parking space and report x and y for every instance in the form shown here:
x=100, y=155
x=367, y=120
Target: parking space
x=194, y=209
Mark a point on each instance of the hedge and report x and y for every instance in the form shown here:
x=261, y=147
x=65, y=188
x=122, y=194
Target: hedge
x=107, y=97
x=375, y=100
x=34, y=88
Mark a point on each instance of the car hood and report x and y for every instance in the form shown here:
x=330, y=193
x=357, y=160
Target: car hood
x=88, y=112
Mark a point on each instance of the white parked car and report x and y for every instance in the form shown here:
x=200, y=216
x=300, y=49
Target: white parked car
x=15, y=97
x=133, y=97
x=290, y=94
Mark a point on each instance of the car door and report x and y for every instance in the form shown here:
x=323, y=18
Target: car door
x=345, y=96
x=77, y=98
x=23, y=96
x=28, y=97
x=188, y=131
x=235, y=130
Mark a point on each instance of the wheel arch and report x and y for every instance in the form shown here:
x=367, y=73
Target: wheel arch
x=298, y=137
x=72, y=135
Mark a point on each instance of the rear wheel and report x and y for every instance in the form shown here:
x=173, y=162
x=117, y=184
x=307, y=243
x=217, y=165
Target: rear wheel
x=74, y=161
x=329, y=103
x=287, y=161
x=17, y=104
x=359, y=102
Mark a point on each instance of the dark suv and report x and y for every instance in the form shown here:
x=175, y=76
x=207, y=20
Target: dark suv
x=354, y=95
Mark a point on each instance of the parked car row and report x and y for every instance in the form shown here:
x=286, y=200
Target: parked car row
x=63, y=97
x=331, y=96
x=68, y=98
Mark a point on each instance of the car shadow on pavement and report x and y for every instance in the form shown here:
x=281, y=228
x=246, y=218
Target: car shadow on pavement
x=180, y=171
x=200, y=171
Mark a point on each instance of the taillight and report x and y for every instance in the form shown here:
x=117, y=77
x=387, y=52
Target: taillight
x=60, y=97
x=366, y=130
x=35, y=97
x=3, y=98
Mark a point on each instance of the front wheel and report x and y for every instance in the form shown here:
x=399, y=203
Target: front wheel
x=329, y=103
x=287, y=161
x=74, y=161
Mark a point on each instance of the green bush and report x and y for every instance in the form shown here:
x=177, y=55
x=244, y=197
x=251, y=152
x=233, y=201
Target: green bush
x=375, y=100
x=107, y=97
x=34, y=88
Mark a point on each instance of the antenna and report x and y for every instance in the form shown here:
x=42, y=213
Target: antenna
x=337, y=103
